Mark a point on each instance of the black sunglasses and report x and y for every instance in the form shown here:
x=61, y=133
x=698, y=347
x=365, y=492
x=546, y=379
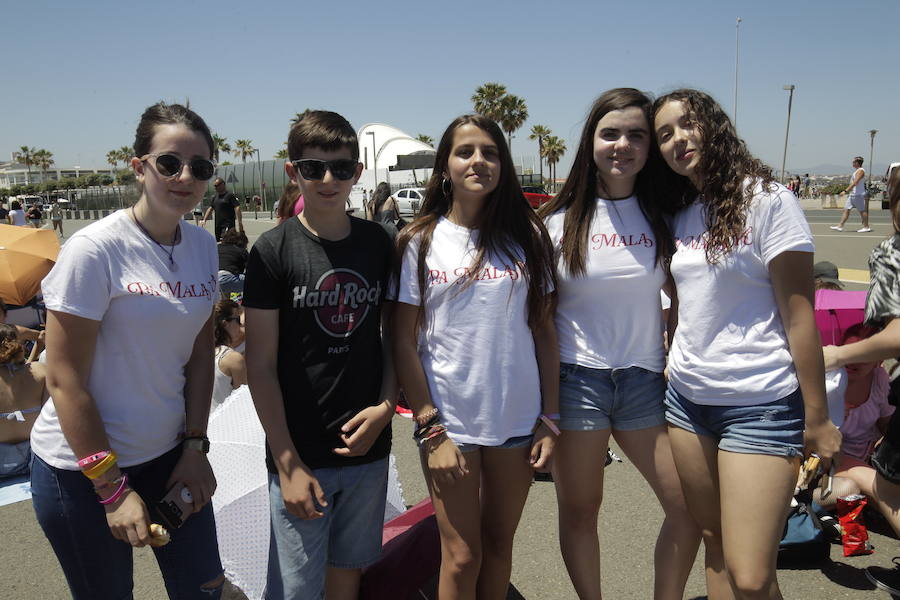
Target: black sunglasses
x=313, y=169
x=170, y=165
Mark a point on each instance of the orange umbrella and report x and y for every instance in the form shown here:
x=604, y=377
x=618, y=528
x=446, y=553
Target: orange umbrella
x=26, y=256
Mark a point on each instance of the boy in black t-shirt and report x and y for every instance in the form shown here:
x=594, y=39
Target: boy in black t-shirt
x=320, y=372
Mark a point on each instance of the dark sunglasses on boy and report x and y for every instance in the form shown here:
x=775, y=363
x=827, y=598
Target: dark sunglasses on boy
x=313, y=169
x=170, y=165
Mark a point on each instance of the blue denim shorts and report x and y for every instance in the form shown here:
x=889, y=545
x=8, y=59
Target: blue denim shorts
x=514, y=442
x=625, y=399
x=775, y=428
x=348, y=536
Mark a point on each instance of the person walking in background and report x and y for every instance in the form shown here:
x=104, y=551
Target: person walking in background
x=856, y=198
x=130, y=341
x=35, y=215
x=476, y=352
x=227, y=210
x=613, y=246
x=56, y=218
x=746, y=393
x=16, y=215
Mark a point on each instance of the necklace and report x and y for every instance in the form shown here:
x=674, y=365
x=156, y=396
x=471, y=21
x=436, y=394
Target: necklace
x=173, y=266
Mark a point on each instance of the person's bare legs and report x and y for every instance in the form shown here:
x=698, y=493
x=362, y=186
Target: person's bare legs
x=844, y=216
x=679, y=536
x=885, y=494
x=506, y=476
x=864, y=215
x=342, y=584
x=756, y=492
x=457, y=508
x=696, y=459
x=578, y=466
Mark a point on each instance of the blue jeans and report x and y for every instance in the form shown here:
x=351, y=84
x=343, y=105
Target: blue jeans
x=229, y=282
x=774, y=428
x=348, y=536
x=98, y=566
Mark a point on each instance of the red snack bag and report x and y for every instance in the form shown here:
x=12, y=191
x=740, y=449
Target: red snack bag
x=855, y=536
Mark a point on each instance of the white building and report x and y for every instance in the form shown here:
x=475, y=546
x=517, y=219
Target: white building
x=12, y=173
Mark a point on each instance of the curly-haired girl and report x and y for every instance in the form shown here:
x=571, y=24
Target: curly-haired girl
x=746, y=375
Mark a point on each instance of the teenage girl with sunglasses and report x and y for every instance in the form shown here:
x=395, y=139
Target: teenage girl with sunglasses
x=613, y=248
x=746, y=377
x=130, y=338
x=476, y=353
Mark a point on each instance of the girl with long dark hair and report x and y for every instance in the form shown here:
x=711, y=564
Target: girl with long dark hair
x=613, y=248
x=746, y=377
x=476, y=352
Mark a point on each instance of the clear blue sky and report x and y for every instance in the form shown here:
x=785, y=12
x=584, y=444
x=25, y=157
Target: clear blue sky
x=77, y=75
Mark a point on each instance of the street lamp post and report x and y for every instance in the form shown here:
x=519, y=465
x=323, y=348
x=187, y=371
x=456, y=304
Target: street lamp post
x=737, y=37
x=262, y=190
x=872, y=133
x=787, y=129
x=374, y=156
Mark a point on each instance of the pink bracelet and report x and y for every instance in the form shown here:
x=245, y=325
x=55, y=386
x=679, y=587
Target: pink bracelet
x=89, y=460
x=550, y=425
x=119, y=492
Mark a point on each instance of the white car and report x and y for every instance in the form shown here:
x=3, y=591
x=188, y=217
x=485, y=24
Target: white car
x=409, y=201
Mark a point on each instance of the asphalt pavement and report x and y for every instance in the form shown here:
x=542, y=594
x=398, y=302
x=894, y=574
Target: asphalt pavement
x=629, y=520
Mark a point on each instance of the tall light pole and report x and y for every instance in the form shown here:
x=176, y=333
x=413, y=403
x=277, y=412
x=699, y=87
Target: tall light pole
x=737, y=37
x=262, y=190
x=787, y=129
x=872, y=133
x=374, y=156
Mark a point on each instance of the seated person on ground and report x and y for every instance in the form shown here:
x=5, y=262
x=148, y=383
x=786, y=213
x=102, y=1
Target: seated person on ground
x=232, y=262
x=22, y=393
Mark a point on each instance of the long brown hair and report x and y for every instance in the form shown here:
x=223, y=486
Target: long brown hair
x=507, y=222
x=579, y=192
x=725, y=164
x=894, y=198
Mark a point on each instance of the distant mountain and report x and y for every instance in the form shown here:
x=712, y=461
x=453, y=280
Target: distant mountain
x=831, y=169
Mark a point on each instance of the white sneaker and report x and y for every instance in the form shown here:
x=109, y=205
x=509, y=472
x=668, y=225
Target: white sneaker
x=864, y=230
x=836, y=228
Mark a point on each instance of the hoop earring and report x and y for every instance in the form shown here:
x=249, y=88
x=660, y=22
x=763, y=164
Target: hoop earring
x=447, y=193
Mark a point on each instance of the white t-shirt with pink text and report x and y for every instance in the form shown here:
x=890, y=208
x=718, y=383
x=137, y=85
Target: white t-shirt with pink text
x=730, y=347
x=611, y=317
x=149, y=318
x=475, y=346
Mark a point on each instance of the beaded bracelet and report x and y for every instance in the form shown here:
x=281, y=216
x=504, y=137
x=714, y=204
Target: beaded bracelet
x=123, y=487
x=426, y=417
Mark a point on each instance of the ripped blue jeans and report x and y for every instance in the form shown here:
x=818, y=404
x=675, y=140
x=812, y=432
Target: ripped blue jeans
x=99, y=567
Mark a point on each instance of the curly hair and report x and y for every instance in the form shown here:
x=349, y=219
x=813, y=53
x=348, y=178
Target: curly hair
x=725, y=165
x=507, y=222
x=10, y=347
x=579, y=192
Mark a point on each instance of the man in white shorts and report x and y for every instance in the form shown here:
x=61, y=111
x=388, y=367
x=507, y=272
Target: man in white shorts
x=857, y=198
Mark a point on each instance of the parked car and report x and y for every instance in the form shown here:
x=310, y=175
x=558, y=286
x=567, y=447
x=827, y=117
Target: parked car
x=535, y=195
x=409, y=201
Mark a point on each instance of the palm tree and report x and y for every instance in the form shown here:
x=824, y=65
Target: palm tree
x=299, y=116
x=539, y=133
x=513, y=115
x=42, y=160
x=554, y=148
x=25, y=156
x=244, y=149
x=112, y=157
x=221, y=145
x=281, y=154
x=487, y=98
x=426, y=139
x=125, y=154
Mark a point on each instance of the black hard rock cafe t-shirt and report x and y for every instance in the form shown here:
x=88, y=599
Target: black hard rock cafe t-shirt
x=329, y=296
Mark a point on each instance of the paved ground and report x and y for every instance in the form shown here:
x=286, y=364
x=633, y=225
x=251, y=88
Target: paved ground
x=629, y=519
